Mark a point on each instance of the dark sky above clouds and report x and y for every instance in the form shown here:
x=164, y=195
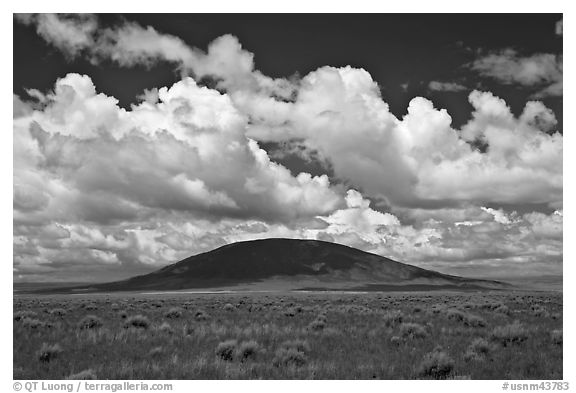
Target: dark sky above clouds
x=142, y=139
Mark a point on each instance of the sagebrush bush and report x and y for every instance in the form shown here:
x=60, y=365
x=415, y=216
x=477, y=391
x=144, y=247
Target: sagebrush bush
x=201, y=315
x=513, y=333
x=455, y=315
x=436, y=364
x=174, y=312
x=412, y=330
x=47, y=353
x=137, y=321
x=392, y=318
x=226, y=349
x=464, y=317
x=478, y=349
x=83, y=375
x=57, y=312
x=298, y=345
x=480, y=345
x=474, y=321
x=317, y=325
x=556, y=336
x=33, y=323
x=289, y=357
x=247, y=350
x=502, y=309
x=20, y=315
x=90, y=322
x=166, y=328
x=290, y=312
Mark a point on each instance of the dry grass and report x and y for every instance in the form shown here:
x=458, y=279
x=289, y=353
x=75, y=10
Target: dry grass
x=495, y=335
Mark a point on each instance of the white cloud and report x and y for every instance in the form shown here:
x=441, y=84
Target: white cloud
x=559, y=27
x=419, y=160
x=499, y=215
x=536, y=70
x=82, y=155
x=69, y=33
x=182, y=171
x=446, y=86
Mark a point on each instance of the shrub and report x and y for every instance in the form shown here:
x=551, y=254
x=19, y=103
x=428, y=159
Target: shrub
x=290, y=312
x=298, y=345
x=137, y=321
x=57, y=312
x=556, y=336
x=225, y=350
x=478, y=349
x=480, y=345
x=248, y=350
x=436, y=364
x=174, y=313
x=33, y=323
x=201, y=315
x=502, y=309
x=474, y=321
x=83, y=375
x=20, y=315
x=48, y=353
x=513, y=333
x=392, y=318
x=90, y=322
x=166, y=328
x=289, y=357
x=413, y=330
x=464, y=317
x=317, y=325
x=455, y=315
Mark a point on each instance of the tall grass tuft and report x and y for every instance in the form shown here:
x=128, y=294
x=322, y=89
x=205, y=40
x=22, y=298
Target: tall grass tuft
x=513, y=333
x=436, y=364
x=247, y=350
x=47, y=353
x=137, y=321
x=226, y=349
x=90, y=322
x=83, y=375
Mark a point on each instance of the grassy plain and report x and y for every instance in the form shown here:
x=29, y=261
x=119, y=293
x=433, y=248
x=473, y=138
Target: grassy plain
x=433, y=335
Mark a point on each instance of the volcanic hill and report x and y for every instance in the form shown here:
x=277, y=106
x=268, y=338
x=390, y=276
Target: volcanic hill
x=291, y=264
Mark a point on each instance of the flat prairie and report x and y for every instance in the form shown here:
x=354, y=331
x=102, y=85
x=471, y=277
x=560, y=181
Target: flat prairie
x=313, y=335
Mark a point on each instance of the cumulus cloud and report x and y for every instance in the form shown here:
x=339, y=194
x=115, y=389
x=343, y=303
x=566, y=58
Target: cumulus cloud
x=82, y=154
x=69, y=33
x=543, y=70
x=128, y=44
x=419, y=160
x=446, y=86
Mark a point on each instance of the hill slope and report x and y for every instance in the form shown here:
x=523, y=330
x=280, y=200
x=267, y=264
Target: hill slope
x=300, y=263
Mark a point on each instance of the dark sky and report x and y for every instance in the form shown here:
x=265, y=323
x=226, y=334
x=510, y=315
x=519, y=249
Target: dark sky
x=394, y=48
